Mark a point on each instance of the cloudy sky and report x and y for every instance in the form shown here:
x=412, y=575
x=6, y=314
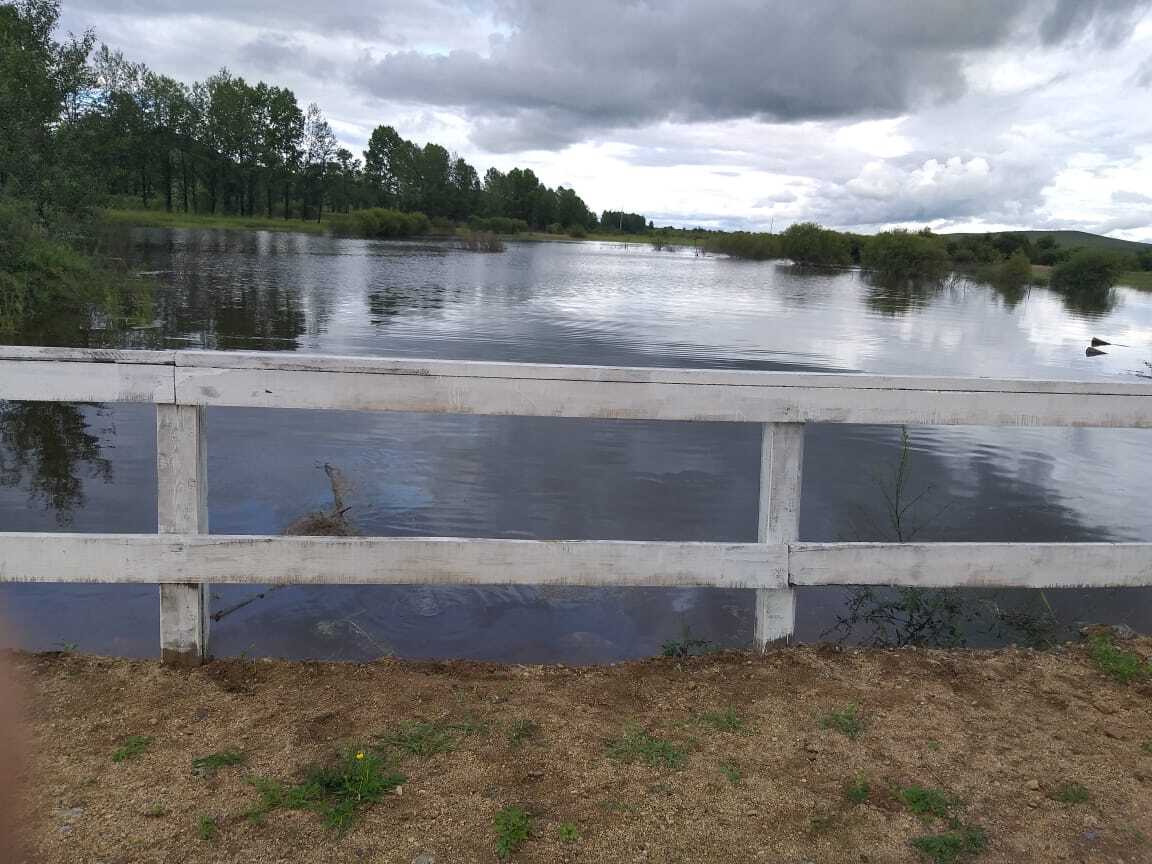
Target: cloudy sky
x=854, y=113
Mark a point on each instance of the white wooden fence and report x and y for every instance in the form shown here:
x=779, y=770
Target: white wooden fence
x=184, y=559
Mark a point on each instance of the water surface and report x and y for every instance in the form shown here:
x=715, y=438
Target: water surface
x=90, y=468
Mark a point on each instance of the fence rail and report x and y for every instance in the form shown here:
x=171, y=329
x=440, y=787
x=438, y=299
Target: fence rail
x=183, y=558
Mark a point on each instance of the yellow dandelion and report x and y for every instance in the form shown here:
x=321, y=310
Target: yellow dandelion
x=360, y=755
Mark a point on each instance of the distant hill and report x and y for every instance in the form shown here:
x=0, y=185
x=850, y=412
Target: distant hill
x=1072, y=239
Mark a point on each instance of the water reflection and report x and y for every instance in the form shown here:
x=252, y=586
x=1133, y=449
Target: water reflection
x=45, y=447
x=547, y=478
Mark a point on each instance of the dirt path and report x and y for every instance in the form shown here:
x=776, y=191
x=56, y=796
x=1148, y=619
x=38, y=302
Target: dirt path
x=1023, y=757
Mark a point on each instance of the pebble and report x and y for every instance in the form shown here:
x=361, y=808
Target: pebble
x=1034, y=785
x=424, y=858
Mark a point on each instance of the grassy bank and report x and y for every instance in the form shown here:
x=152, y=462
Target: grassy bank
x=163, y=219
x=804, y=754
x=1141, y=279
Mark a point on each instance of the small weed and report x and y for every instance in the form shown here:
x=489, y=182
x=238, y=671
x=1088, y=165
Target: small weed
x=1122, y=666
x=420, y=738
x=733, y=773
x=207, y=765
x=723, y=721
x=568, y=833
x=1147, y=746
x=131, y=747
x=927, y=802
x=857, y=791
x=337, y=792
x=156, y=811
x=933, y=746
x=962, y=841
x=207, y=828
x=521, y=731
x=1070, y=793
x=847, y=722
x=637, y=745
x=513, y=827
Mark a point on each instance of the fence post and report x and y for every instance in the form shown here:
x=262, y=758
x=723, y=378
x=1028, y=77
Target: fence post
x=182, y=508
x=781, y=469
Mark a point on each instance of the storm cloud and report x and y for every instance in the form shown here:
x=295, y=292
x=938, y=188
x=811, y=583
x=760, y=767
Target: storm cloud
x=564, y=70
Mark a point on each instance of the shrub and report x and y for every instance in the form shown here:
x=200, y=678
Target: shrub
x=1014, y=272
x=46, y=282
x=577, y=232
x=808, y=243
x=499, y=225
x=756, y=247
x=1087, y=271
x=379, y=223
x=904, y=254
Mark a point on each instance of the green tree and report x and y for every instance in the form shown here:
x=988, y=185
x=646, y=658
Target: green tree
x=42, y=87
x=1087, y=272
x=808, y=243
x=905, y=254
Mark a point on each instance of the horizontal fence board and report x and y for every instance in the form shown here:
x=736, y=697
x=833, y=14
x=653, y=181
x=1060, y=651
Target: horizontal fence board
x=542, y=390
x=136, y=558
x=165, y=559
x=973, y=565
x=765, y=402
x=100, y=381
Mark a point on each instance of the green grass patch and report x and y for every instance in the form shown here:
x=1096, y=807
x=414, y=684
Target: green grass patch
x=723, y=721
x=849, y=722
x=132, y=747
x=1119, y=665
x=957, y=844
x=926, y=802
x=1141, y=279
x=207, y=828
x=427, y=738
x=636, y=745
x=339, y=792
x=163, y=219
x=156, y=811
x=522, y=731
x=733, y=774
x=568, y=833
x=513, y=828
x=1070, y=793
x=857, y=791
x=210, y=764
x=1147, y=746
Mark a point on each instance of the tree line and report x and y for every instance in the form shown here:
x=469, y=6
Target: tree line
x=81, y=126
